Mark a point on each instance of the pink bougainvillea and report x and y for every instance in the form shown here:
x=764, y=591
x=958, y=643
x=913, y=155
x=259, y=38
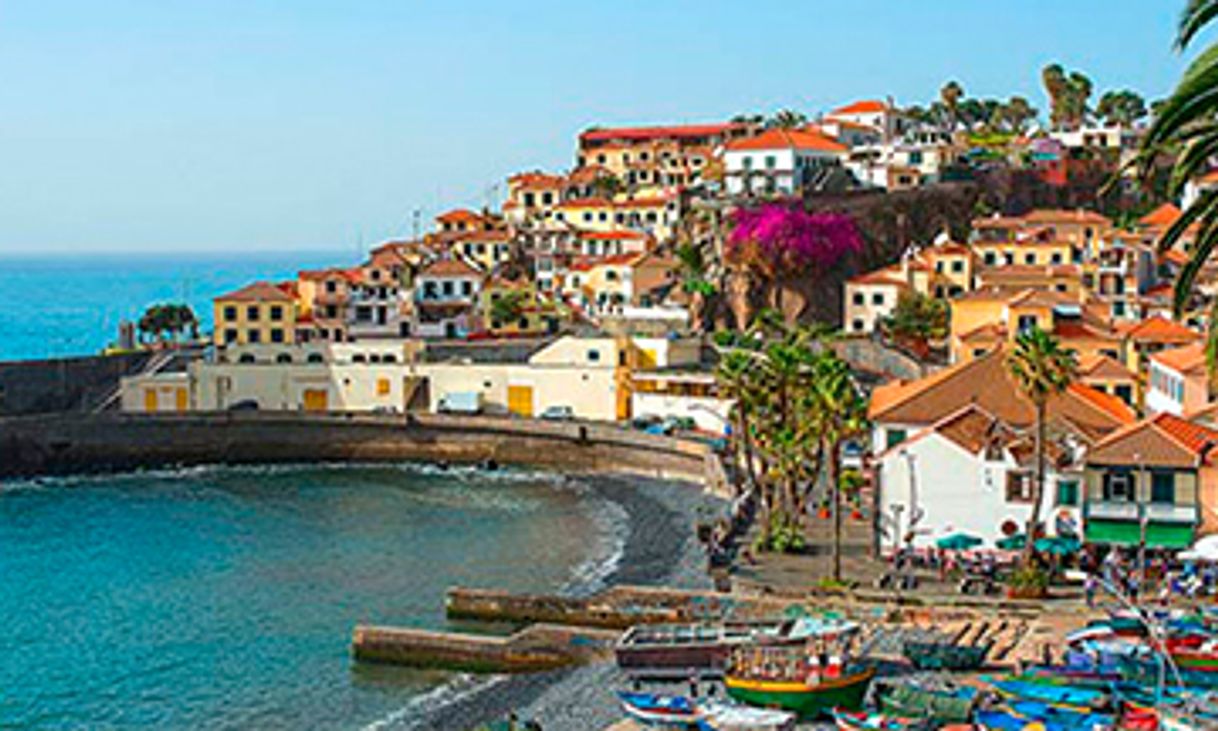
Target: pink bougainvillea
x=777, y=236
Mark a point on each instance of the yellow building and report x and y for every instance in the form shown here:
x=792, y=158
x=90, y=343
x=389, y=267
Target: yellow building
x=988, y=318
x=587, y=214
x=1030, y=251
x=1064, y=278
x=257, y=313
x=487, y=249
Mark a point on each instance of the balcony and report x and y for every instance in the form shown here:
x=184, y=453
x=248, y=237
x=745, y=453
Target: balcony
x=1155, y=512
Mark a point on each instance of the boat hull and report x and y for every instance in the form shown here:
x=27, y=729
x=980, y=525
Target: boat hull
x=806, y=702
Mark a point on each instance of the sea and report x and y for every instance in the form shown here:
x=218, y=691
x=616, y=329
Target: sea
x=72, y=304
x=225, y=597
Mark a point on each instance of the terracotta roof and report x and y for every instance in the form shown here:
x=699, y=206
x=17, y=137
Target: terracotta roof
x=972, y=428
x=353, y=275
x=985, y=333
x=1174, y=256
x=1163, y=440
x=588, y=174
x=1186, y=359
x=950, y=247
x=1060, y=215
x=997, y=221
x=587, y=263
x=986, y=382
x=1099, y=366
x=890, y=275
x=994, y=293
x=642, y=134
x=459, y=215
x=867, y=106
x=450, y=267
x=257, y=292
x=535, y=180
x=612, y=235
x=492, y=235
x=1042, y=298
x=781, y=139
x=1159, y=329
x=593, y=202
x=1161, y=217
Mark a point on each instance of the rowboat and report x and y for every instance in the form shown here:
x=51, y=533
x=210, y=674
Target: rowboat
x=908, y=700
x=660, y=710
x=732, y=717
x=1028, y=715
x=1058, y=695
x=945, y=655
x=807, y=700
x=681, y=650
x=1195, y=653
x=860, y=721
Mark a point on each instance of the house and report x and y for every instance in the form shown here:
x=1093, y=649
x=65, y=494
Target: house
x=378, y=305
x=682, y=394
x=260, y=312
x=324, y=297
x=986, y=318
x=445, y=293
x=1178, y=381
x=601, y=285
x=587, y=214
x=872, y=297
x=996, y=245
x=880, y=115
x=1154, y=334
x=514, y=307
x=1108, y=375
x=657, y=155
x=610, y=243
x=461, y=220
x=487, y=249
x=902, y=408
x=940, y=271
x=532, y=198
x=779, y=161
x=1154, y=479
x=970, y=472
x=1079, y=227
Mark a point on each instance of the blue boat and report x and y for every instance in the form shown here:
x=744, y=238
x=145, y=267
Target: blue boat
x=667, y=711
x=1021, y=715
x=1061, y=695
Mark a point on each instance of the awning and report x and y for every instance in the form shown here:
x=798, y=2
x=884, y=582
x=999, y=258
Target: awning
x=1129, y=533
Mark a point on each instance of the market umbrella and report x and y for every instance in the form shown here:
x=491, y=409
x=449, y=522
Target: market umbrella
x=1012, y=543
x=796, y=611
x=1205, y=549
x=1058, y=545
x=958, y=542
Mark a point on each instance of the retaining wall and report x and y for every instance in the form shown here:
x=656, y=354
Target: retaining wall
x=75, y=443
x=63, y=384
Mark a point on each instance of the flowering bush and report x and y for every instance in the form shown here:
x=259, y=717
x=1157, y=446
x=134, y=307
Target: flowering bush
x=777, y=236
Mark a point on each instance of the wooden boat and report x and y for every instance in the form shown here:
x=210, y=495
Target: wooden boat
x=732, y=717
x=660, y=710
x=945, y=655
x=679, y=650
x=944, y=706
x=1028, y=715
x=1057, y=695
x=1194, y=653
x=807, y=700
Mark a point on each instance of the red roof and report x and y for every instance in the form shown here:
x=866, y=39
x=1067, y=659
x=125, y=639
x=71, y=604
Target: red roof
x=1163, y=216
x=1195, y=437
x=643, y=134
x=452, y=267
x=867, y=106
x=612, y=235
x=1162, y=330
x=1104, y=401
x=1186, y=359
x=775, y=139
x=459, y=215
x=593, y=202
x=259, y=292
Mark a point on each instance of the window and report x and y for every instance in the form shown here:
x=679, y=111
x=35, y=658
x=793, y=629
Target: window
x=446, y=288
x=877, y=298
x=1010, y=258
x=246, y=358
x=276, y=313
x=331, y=286
x=283, y=358
x=859, y=298
x=382, y=387
x=276, y=335
x=1056, y=258
x=771, y=162
x=594, y=356
x=1019, y=487
x=359, y=358
x=1029, y=258
x=990, y=259
x=251, y=313
x=1163, y=487
x=230, y=313
x=1026, y=322
x=315, y=358
x=893, y=437
x=254, y=336
x=230, y=336
x=1067, y=492
x=957, y=266
x=1118, y=486
x=857, y=325
x=1125, y=393
x=747, y=161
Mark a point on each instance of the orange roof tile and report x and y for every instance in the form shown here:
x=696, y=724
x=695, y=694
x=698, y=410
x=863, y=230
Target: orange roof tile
x=867, y=106
x=1186, y=359
x=593, y=202
x=781, y=139
x=257, y=292
x=1162, y=440
x=1161, y=217
x=459, y=215
x=643, y=134
x=1100, y=366
x=1159, y=329
x=1062, y=215
x=450, y=267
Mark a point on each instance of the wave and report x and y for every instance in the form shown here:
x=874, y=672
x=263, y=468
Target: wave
x=419, y=708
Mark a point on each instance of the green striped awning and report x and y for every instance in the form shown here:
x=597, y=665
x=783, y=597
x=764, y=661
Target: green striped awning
x=1129, y=533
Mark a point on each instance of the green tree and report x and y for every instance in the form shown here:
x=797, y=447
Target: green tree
x=915, y=321
x=694, y=270
x=508, y=307
x=1121, y=107
x=606, y=186
x=1186, y=129
x=787, y=119
x=1042, y=369
x=1017, y=114
x=951, y=94
x=167, y=321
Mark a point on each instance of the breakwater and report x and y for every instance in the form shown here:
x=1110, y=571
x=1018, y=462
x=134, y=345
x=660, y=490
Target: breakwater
x=535, y=648
x=76, y=443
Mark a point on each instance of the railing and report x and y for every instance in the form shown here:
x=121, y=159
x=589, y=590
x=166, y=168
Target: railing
x=1156, y=512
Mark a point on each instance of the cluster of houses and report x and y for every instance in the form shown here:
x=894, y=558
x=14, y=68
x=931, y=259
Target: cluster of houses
x=1131, y=456
x=570, y=295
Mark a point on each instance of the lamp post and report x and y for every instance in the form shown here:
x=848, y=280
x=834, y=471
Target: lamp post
x=1143, y=519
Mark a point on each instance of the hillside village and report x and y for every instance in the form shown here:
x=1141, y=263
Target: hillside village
x=587, y=295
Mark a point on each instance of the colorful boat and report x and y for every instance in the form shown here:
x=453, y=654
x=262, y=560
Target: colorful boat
x=1058, y=695
x=1194, y=653
x=661, y=710
x=732, y=717
x=945, y=655
x=1028, y=715
x=807, y=700
x=679, y=650
x=941, y=705
x=861, y=721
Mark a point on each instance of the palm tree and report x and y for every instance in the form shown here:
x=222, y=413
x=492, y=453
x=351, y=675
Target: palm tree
x=787, y=119
x=1042, y=369
x=951, y=94
x=694, y=269
x=1185, y=127
x=1057, y=88
x=736, y=375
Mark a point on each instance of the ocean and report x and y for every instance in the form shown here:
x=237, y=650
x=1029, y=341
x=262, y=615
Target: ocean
x=225, y=597
x=72, y=305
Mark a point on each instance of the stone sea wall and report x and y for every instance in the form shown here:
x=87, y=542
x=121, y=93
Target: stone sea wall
x=63, y=384
x=75, y=443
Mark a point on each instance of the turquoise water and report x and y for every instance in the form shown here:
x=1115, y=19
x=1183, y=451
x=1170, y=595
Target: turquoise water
x=72, y=305
x=224, y=598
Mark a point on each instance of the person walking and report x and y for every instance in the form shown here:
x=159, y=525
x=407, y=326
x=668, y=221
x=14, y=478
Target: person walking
x=1089, y=586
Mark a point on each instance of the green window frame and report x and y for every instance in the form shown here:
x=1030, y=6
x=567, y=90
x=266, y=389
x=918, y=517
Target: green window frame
x=1067, y=493
x=1163, y=487
x=893, y=437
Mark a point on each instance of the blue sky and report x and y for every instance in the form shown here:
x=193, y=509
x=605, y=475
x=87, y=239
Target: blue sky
x=254, y=125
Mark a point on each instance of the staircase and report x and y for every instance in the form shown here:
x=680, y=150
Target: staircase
x=155, y=364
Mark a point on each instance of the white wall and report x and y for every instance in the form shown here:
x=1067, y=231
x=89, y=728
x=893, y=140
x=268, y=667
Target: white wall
x=710, y=414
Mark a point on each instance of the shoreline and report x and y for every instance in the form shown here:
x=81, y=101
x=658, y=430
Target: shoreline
x=661, y=549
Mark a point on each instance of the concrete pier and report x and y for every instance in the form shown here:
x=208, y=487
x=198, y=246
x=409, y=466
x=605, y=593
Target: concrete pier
x=534, y=648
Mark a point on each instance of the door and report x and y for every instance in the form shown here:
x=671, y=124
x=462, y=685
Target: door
x=316, y=399
x=150, y=402
x=180, y=399
x=520, y=400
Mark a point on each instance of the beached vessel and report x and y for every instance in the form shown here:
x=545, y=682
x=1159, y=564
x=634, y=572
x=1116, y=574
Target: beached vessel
x=941, y=705
x=862, y=721
x=681, y=650
x=660, y=710
x=945, y=655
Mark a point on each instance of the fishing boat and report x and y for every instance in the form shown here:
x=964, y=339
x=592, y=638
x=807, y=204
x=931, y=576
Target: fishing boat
x=681, y=650
x=667, y=711
x=1057, y=695
x=1027, y=715
x=732, y=717
x=945, y=655
x=1194, y=653
x=943, y=705
x=862, y=721
x=809, y=678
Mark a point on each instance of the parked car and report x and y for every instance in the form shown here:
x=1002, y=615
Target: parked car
x=248, y=404
x=642, y=422
x=460, y=402
x=557, y=413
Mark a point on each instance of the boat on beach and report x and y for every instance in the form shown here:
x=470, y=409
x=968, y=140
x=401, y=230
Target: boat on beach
x=665, y=711
x=945, y=655
x=942, y=705
x=862, y=721
x=682, y=650
x=680, y=712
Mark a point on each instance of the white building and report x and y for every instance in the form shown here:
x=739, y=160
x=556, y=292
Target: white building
x=1178, y=381
x=445, y=293
x=779, y=161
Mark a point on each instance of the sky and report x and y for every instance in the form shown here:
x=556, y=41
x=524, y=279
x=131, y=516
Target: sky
x=249, y=125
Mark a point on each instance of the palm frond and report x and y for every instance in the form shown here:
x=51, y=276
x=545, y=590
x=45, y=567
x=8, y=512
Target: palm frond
x=1196, y=16
x=1202, y=248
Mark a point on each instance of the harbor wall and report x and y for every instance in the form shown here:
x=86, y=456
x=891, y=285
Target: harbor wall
x=82, y=443
x=64, y=384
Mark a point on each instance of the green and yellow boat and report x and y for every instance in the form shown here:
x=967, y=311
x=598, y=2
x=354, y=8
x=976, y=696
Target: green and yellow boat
x=807, y=701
